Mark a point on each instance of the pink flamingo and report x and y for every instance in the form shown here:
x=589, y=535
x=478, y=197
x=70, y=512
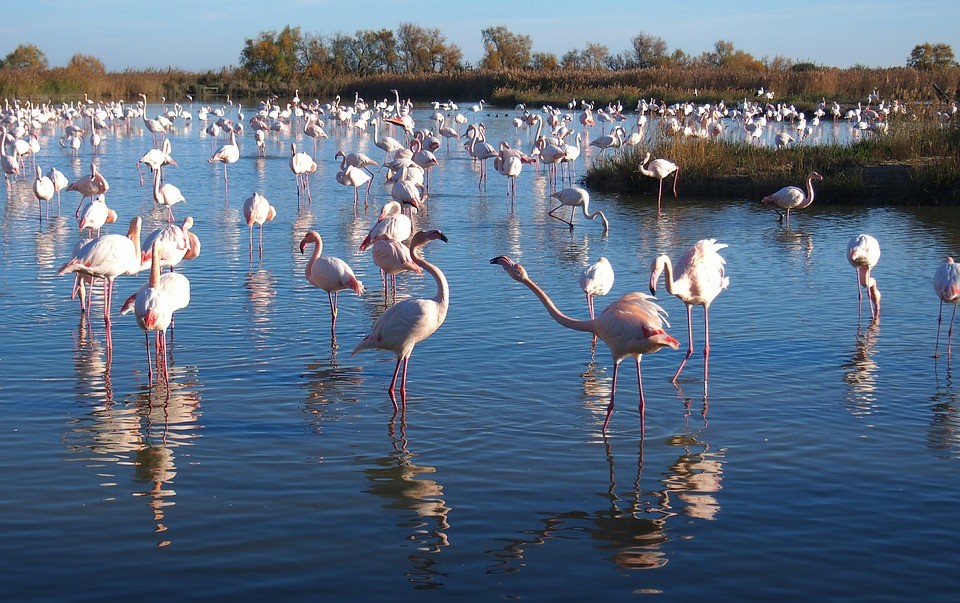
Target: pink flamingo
x=631, y=326
x=166, y=194
x=330, y=274
x=392, y=224
x=227, y=154
x=392, y=257
x=257, y=210
x=946, y=282
x=107, y=257
x=302, y=165
x=863, y=253
x=700, y=279
x=43, y=190
x=154, y=311
x=792, y=197
x=175, y=244
x=596, y=279
x=407, y=323
x=88, y=186
x=573, y=198
x=660, y=169
x=95, y=214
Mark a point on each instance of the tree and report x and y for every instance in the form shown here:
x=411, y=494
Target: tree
x=647, y=50
x=274, y=56
x=931, y=56
x=595, y=56
x=423, y=50
x=26, y=56
x=545, y=61
x=725, y=55
x=85, y=63
x=504, y=49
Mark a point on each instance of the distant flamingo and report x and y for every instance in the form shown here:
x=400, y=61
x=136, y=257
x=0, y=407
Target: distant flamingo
x=389, y=144
x=175, y=244
x=480, y=150
x=410, y=321
x=90, y=185
x=612, y=140
x=154, y=126
x=60, y=182
x=792, y=197
x=328, y=273
x=43, y=190
x=227, y=154
x=596, y=279
x=173, y=284
x=166, y=194
x=107, y=257
x=257, y=210
x=660, y=169
x=573, y=198
x=355, y=177
x=630, y=326
x=156, y=158
x=863, y=253
x=946, y=282
x=302, y=165
x=700, y=279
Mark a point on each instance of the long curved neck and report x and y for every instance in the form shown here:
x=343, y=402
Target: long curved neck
x=561, y=318
x=667, y=267
x=603, y=218
x=643, y=169
x=443, y=290
x=316, y=253
x=809, y=198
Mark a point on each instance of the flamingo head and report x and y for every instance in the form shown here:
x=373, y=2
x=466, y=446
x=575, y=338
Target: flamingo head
x=422, y=237
x=655, y=270
x=311, y=237
x=515, y=270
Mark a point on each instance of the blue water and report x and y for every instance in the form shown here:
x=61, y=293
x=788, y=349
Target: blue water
x=821, y=463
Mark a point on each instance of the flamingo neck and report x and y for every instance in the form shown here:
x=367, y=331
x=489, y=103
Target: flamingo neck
x=809, y=198
x=666, y=266
x=562, y=319
x=318, y=248
x=443, y=289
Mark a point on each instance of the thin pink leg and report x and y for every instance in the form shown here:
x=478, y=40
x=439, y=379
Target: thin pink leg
x=690, y=346
x=146, y=345
x=706, y=344
x=393, y=383
x=333, y=310
x=613, y=394
x=936, y=349
x=642, y=401
x=403, y=384
x=950, y=332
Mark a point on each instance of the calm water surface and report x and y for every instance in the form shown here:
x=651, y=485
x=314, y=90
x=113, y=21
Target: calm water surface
x=823, y=464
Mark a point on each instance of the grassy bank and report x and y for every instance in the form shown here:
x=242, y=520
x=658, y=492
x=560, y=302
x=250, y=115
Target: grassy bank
x=915, y=163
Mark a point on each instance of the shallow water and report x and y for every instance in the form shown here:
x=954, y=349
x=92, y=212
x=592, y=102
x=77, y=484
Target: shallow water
x=821, y=464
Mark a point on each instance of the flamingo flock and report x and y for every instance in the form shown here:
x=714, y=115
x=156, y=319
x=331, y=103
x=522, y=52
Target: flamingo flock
x=631, y=326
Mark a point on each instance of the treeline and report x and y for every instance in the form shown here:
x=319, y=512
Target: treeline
x=423, y=66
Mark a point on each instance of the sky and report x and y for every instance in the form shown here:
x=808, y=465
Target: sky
x=200, y=36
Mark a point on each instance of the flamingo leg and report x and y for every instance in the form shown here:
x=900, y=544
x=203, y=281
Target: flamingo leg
x=403, y=383
x=613, y=394
x=552, y=215
x=333, y=311
x=690, y=346
x=659, y=196
x=859, y=295
x=936, y=349
x=393, y=383
x=261, y=242
x=642, y=401
x=251, y=242
x=950, y=332
x=146, y=345
x=706, y=344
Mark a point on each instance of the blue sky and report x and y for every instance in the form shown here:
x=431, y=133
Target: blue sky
x=208, y=35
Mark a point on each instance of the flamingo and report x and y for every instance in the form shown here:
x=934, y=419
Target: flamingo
x=154, y=126
x=156, y=158
x=43, y=190
x=257, y=210
x=88, y=186
x=863, y=253
x=154, y=311
x=166, y=194
x=410, y=321
x=614, y=139
x=175, y=241
x=355, y=177
x=596, y=279
x=391, y=224
x=792, y=197
x=228, y=153
x=660, y=169
x=302, y=165
x=9, y=163
x=389, y=144
x=60, y=182
x=173, y=284
x=95, y=214
x=700, y=279
x=575, y=197
x=357, y=160
x=392, y=257
x=480, y=150
x=946, y=282
x=330, y=274
x=630, y=326
x=107, y=257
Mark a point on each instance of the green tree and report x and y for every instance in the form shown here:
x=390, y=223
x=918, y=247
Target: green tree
x=726, y=55
x=26, y=56
x=931, y=56
x=274, y=56
x=423, y=50
x=595, y=56
x=545, y=61
x=504, y=49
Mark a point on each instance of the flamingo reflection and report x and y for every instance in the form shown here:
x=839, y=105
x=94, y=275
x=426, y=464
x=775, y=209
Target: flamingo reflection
x=860, y=372
x=943, y=434
x=401, y=484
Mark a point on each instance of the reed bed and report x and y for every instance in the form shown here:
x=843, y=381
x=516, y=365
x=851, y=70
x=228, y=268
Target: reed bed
x=915, y=163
